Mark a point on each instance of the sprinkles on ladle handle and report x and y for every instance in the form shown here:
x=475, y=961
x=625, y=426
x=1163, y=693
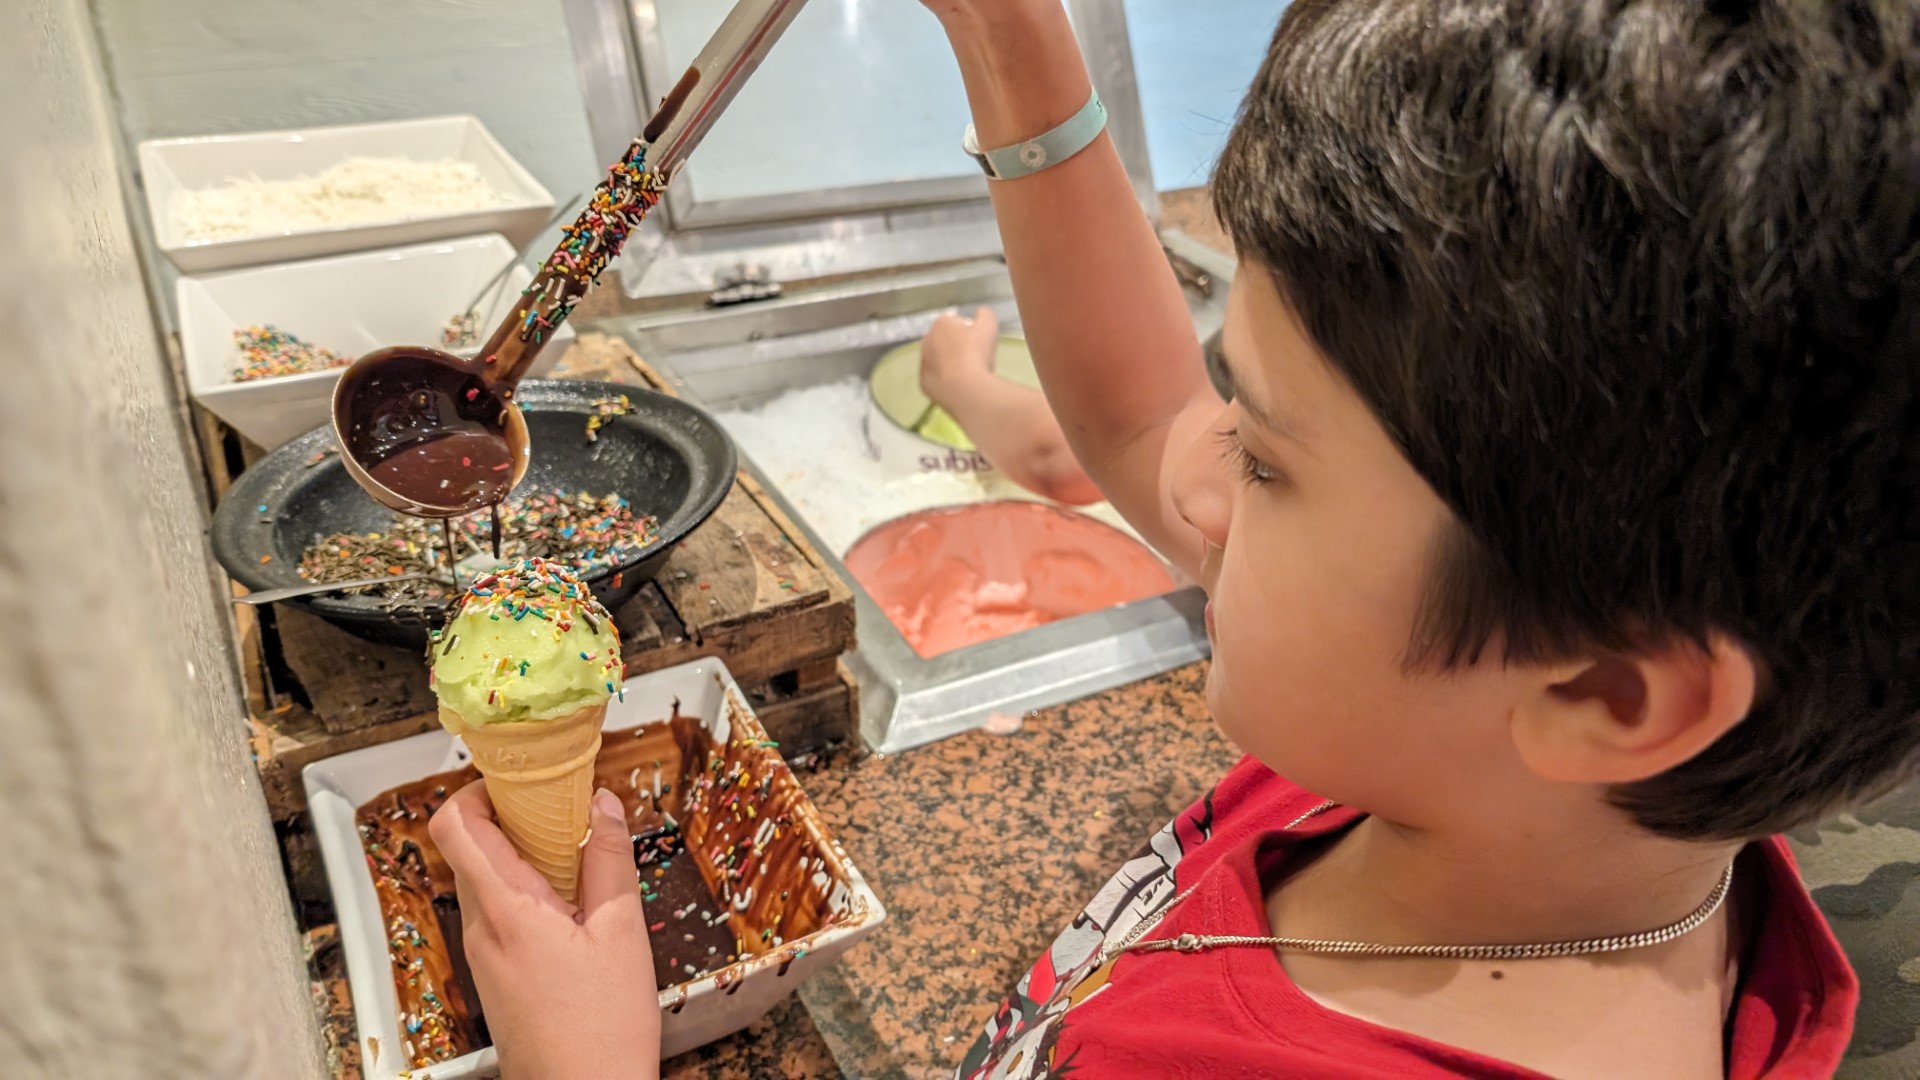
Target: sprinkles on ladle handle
x=619, y=205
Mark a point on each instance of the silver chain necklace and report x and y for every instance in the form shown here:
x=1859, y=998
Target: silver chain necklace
x=1193, y=943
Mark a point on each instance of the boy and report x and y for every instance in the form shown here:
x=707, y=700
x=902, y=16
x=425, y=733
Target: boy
x=1563, y=537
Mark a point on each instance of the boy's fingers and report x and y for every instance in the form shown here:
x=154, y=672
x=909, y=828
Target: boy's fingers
x=986, y=322
x=481, y=857
x=607, y=878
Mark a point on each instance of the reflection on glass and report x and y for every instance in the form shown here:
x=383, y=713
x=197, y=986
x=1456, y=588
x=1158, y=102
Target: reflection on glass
x=864, y=92
x=858, y=92
x=1194, y=61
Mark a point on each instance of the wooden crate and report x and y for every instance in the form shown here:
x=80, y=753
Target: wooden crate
x=745, y=587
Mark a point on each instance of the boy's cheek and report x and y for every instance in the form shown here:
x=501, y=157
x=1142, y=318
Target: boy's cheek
x=1298, y=662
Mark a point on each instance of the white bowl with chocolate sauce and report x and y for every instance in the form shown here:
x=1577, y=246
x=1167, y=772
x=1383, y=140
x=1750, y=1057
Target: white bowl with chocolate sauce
x=746, y=894
x=347, y=304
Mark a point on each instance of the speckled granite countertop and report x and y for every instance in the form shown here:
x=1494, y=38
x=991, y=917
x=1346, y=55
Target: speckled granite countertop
x=982, y=847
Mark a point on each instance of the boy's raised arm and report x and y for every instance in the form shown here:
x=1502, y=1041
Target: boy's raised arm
x=1104, y=315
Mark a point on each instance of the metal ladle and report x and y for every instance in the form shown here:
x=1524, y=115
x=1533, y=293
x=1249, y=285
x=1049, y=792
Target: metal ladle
x=431, y=434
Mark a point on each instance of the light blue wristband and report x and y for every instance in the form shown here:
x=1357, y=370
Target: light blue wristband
x=1046, y=151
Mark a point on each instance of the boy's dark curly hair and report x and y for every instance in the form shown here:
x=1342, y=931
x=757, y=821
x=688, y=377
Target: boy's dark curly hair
x=1633, y=285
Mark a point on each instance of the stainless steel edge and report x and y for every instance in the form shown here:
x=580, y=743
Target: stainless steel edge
x=689, y=262
x=825, y=202
x=823, y=307
x=1048, y=666
x=603, y=52
x=1182, y=247
x=1197, y=258
x=1101, y=26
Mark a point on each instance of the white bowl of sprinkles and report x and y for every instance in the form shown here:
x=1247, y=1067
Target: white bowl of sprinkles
x=257, y=341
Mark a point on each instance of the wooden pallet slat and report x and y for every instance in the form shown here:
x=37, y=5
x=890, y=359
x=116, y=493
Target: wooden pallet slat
x=762, y=648
x=640, y=631
x=735, y=567
x=351, y=683
x=291, y=739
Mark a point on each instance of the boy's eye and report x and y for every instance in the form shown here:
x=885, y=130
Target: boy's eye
x=1252, y=469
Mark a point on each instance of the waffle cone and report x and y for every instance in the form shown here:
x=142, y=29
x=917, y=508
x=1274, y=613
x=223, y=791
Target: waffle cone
x=540, y=778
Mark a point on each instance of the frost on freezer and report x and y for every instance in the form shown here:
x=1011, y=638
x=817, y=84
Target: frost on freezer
x=813, y=445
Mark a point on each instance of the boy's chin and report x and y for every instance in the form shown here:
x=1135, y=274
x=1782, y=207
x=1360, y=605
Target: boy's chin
x=1248, y=725
x=1220, y=706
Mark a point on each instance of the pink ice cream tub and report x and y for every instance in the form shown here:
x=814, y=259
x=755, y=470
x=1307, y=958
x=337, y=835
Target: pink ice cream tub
x=956, y=576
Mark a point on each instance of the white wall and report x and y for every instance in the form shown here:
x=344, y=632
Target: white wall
x=200, y=67
x=145, y=929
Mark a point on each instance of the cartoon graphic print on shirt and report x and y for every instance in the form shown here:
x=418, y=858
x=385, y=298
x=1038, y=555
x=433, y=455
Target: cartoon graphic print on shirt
x=1023, y=1034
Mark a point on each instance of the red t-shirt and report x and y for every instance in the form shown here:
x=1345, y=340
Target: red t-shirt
x=1233, y=1012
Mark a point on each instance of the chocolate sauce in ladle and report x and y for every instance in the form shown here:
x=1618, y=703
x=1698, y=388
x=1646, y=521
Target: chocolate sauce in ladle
x=429, y=431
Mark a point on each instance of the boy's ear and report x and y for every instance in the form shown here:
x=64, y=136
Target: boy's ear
x=1618, y=718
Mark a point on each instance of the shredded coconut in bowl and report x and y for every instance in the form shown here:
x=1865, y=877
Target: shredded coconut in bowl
x=358, y=191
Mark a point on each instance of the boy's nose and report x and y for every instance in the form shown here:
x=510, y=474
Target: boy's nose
x=1203, y=486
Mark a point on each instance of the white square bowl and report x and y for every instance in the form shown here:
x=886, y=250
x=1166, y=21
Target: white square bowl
x=693, y=1013
x=352, y=304
x=168, y=166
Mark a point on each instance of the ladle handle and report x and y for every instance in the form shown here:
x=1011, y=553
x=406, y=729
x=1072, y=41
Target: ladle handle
x=618, y=206
x=509, y=354
x=634, y=186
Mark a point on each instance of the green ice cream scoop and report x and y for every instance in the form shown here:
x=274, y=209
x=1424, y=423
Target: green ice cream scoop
x=528, y=643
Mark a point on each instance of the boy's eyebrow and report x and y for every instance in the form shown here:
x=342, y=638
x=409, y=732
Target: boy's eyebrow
x=1271, y=419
